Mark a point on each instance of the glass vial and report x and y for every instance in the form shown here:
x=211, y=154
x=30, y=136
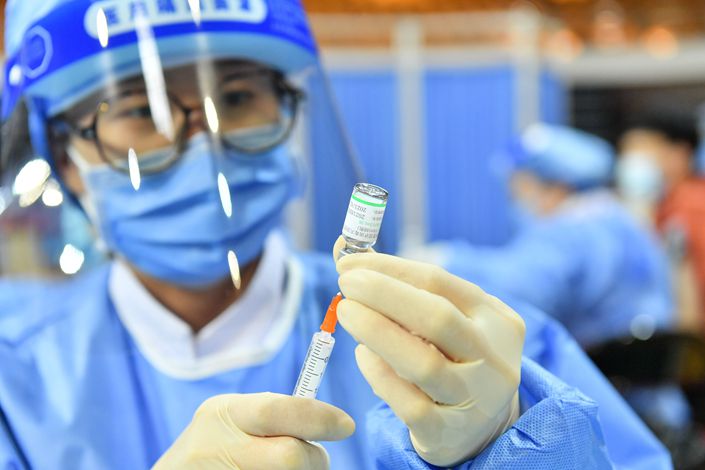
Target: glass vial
x=364, y=218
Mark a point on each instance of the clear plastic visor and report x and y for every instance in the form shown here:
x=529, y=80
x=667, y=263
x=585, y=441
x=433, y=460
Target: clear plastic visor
x=235, y=137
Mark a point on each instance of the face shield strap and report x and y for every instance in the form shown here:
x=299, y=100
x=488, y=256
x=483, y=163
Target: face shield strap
x=39, y=137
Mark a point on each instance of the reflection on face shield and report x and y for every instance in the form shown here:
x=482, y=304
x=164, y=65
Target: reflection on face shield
x=252, y=109
x=150, y=95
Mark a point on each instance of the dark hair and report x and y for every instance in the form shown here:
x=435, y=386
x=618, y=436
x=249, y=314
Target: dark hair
x=678, y=129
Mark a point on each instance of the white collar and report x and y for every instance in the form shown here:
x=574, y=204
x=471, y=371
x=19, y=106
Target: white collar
x=247, y=333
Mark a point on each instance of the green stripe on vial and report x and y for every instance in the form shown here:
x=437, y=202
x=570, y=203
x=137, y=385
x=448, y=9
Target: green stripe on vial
x=373, y=204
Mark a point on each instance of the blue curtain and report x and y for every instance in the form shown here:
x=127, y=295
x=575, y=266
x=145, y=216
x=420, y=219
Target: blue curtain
x=368, y=104
x=469, y=117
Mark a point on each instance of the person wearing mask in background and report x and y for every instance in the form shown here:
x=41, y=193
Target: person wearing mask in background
x=656, y=177
x=582, y=257
x=168, y=123
x=578, y=255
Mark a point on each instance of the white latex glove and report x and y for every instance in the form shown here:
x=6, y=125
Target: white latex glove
x=264, y=431
x=442, y=353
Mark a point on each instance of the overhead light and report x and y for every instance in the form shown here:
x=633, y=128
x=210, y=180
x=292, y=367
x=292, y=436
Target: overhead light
x=526, y=5
x=660, y=42
x=564, y=45
x=608, y=25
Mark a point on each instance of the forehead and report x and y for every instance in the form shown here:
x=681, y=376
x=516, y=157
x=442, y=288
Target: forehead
x=181, y=76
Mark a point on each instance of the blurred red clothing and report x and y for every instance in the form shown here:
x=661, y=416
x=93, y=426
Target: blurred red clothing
x=683, y=209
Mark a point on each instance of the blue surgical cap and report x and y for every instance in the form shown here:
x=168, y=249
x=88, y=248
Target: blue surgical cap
x=563, y=155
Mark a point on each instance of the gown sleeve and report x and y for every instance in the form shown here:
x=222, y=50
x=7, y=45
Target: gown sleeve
x=558, y=428
x=629, y=442
x=572, y=417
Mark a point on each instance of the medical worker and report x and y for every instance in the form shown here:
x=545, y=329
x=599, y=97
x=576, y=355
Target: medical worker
x=583, y=259
x=658, y=179
x=169, y=123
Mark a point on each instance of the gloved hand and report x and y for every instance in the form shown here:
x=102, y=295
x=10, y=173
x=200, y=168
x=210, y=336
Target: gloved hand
x=264, y=431
x=442, y=353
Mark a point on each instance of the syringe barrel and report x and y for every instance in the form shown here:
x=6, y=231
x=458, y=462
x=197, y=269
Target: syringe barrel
x=314, y=367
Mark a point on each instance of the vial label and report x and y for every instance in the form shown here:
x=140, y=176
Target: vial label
x=364, y=218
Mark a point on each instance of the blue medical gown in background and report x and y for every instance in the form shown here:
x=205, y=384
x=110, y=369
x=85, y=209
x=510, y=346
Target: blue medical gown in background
x=75, y=392
x=590, y=265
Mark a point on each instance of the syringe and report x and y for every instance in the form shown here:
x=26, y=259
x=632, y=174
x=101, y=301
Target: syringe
x=319, y=352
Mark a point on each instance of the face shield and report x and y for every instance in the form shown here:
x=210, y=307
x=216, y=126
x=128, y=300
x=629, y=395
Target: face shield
x=182, y=133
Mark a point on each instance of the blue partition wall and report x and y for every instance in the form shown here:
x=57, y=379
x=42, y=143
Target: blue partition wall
x=469, y=115
x=368, y=104
x=329, y=200
x=554, y=99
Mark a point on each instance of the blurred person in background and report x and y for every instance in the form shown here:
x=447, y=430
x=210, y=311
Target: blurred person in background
x=656, y=177
x=581, y=257
x=168, y=123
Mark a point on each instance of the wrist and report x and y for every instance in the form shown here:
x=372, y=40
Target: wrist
x=443, y=455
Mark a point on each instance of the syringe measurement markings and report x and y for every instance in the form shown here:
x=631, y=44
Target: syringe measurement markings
x=317, y=356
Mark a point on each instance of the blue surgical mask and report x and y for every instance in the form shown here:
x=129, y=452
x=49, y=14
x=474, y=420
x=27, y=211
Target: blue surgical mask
x=174, y=227
x=638, y=178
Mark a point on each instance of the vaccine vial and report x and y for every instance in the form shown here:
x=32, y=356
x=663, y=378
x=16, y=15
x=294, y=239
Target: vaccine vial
x=364, y=218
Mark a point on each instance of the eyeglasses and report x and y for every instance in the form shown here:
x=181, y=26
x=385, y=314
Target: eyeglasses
x=252, y=112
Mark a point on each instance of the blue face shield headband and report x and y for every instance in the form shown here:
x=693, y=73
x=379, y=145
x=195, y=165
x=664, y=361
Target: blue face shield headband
x=81, y=45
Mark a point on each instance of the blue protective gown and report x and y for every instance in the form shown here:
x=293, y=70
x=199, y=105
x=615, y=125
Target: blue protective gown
x=75, y=392
x=590, y=265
